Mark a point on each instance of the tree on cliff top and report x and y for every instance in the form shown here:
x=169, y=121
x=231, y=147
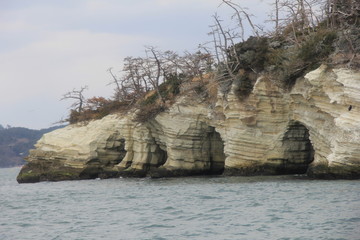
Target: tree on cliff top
x=305, y=34
x=78, y=96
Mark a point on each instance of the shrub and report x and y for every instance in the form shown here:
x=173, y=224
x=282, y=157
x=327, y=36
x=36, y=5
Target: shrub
x=168, y=90
x=150, y=105
x=289, y=62
x=252, y=54
x=174, y=81
x=243, y=84
x=318, y=46
x=97, y=108
x=245, y=60
x=74, y=117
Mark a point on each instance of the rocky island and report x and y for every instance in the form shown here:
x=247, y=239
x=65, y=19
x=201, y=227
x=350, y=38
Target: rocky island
x=286, y=121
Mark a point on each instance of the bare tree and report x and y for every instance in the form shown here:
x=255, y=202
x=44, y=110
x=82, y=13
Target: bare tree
x=132, y=84
x=122, y=92
x=115, y=80
x=301, y=15
x=171, y=64
x=195, y=64
x=142, y=74
x=134, y=77
x=153, y=70
x=277, y=10
x=239, y=12
x=224, y=42
x=344, y=15
x=78, y=96
x=343, y=12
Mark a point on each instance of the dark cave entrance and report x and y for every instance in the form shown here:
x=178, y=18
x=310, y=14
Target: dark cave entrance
x=216, y=152
x=160, y=156
x=299, y=152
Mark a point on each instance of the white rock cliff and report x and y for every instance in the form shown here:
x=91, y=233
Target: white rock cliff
x=314, y=128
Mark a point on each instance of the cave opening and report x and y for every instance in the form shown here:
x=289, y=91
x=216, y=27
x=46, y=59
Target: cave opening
x=161, y=156
x=216, y=153
x=299, y=152
x=157, y=154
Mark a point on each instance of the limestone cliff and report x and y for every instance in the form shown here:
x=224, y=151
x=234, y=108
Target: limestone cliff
x=314, y=128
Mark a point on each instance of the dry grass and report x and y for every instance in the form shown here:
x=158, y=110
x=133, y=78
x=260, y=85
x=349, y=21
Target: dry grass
x=99, y=112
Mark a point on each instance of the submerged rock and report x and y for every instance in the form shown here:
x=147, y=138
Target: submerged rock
x=313, y=129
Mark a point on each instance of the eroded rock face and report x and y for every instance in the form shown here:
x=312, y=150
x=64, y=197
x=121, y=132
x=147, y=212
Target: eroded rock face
x=178, y=142
x=76, y=152
x=280, y=132
x=327, y=102
x=314, y=128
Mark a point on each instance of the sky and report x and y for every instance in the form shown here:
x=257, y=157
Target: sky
x=50, y=47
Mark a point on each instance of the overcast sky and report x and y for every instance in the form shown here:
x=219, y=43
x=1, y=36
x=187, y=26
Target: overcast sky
x=49, y=47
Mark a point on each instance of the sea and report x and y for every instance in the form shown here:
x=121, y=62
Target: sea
x=271, y=207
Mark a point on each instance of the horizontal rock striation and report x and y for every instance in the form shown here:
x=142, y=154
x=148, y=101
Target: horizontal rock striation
x=76, y=152
x=312, y=129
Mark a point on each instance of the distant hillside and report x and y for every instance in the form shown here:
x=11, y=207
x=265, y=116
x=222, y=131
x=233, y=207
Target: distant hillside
x=15, y=143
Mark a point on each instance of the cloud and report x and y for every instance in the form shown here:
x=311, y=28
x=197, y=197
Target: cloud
x=63, y=60
x=36, y=76
x=50, y=47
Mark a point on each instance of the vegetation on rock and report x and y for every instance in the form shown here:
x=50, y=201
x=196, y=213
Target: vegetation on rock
x=306, y=34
